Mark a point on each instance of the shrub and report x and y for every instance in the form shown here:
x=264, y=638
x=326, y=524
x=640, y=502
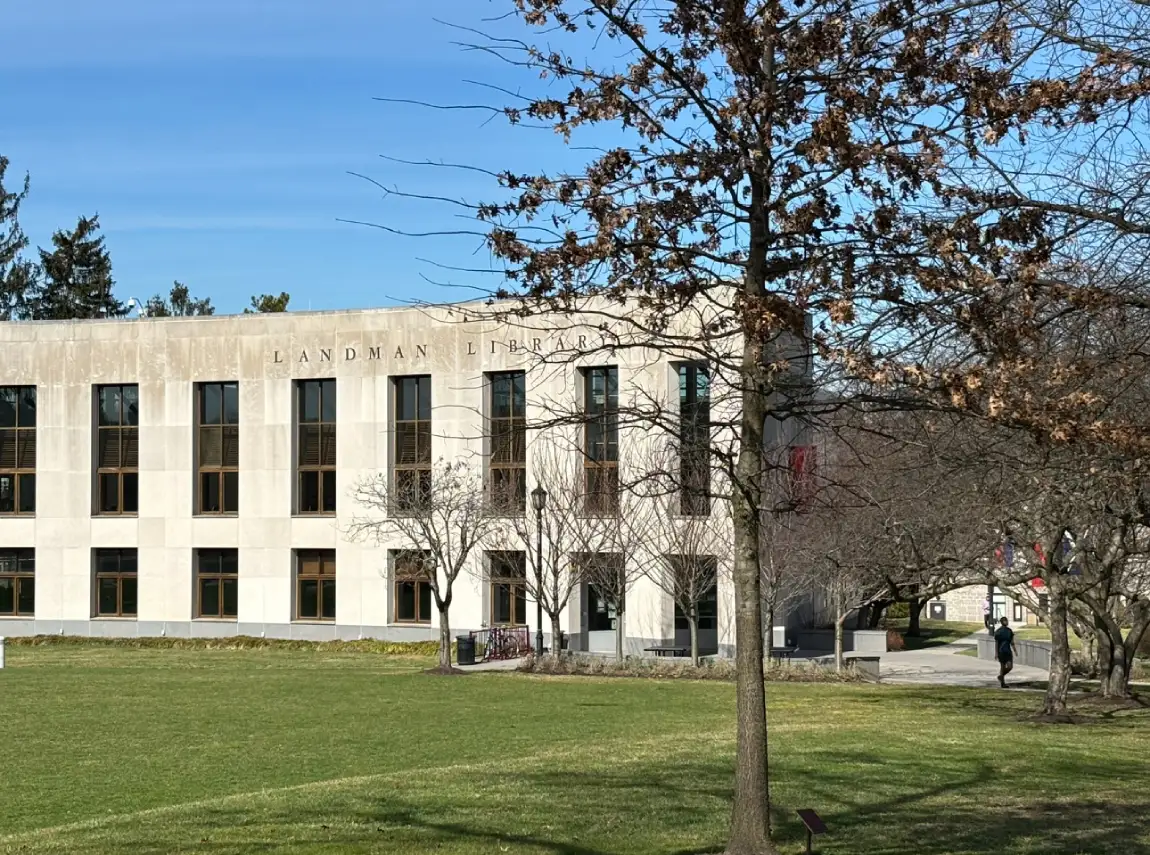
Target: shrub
x=661, y=669
x=894, y=640
x=238, y=642
x=898, y=611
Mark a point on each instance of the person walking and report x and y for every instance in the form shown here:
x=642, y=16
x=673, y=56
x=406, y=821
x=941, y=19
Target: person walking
x=1004, y=648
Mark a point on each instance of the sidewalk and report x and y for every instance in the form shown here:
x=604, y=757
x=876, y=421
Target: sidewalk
x=945, y=666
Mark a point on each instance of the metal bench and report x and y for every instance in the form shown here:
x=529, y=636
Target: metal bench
x=781, y=653
x=668, y=650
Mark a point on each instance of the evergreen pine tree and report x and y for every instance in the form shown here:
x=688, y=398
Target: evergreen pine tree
x=265, y=303
x=179, y=304
x=17, y=274
x=77, y=276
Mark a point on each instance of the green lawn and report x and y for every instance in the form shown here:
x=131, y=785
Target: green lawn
x=934, y=633
x=220, y=752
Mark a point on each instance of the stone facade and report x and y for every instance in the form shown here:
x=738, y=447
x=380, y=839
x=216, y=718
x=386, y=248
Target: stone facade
x=363, y=351
x=965, y=604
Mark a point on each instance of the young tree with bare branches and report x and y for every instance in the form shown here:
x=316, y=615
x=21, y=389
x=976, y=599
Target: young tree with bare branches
x=435, y=531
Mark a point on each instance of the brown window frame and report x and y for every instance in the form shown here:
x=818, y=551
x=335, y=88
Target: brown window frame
x=411, y=467
x=694, y=440
x=601, y=456
x=222, y=435
x=326, y=447
x=507, y=438
x=18, y=567
x=21, y=468
x=221, y=576
x=499, y=563
x=405, y=574
x=122, y=471
x=326, y=572
x=121, y=576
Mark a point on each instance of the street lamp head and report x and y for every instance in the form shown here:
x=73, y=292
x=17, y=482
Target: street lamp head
x=539, y=499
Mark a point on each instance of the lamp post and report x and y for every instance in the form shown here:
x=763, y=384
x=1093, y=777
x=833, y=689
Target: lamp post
x=539, y=502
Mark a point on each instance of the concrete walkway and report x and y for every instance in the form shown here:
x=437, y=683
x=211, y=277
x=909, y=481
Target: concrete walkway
x=945, y=666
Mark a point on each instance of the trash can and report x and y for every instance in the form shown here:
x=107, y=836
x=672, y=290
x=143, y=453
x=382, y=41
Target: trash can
x=464, y=650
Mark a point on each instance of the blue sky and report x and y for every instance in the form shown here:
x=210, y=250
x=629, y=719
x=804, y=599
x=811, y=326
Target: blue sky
x=214, y=138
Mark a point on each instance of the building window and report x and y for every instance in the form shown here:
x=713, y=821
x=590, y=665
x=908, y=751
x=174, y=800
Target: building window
x=217, y=583
x=601, y=439
x=17, y=583
x=508, y=431
x=118, y=449
x=508, y=574
x=218, y=447
x=413, y=597
x=316, y=442
x=115, y=582
x=605, y=576
x=694, y=441
x=315, y=584
x=1017, y=612
x=802, y=472
x=696, y=581
x=412, y=477
x=17, y=450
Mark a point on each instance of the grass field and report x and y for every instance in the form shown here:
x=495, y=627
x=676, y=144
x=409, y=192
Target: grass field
x=225, y=752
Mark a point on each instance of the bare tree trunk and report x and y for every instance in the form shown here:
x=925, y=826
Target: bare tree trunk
x=840, y=619
x=914, y=627
x=694, y=622
x=444, y=640
x=1059, y=685
x=750, y=812
x=556, y=635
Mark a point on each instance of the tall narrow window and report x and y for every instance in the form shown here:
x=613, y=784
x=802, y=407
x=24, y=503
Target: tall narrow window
x=118, y=449
x=413, y=599
x=218, y=447
x=694, y=441
x=316, y=442
x=217, y=583
x=17, y=583
x=315, y=584
x=508, y=431
x=115, y=582
x=803, y=468
x=601, y=440
x=508, y=573
x=17, y=450
x=412, y=477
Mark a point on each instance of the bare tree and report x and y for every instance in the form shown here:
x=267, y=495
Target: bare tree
x=547, y=537
x=683, y=522
x=442, y=525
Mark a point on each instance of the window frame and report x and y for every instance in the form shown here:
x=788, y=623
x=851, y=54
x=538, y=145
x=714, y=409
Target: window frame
x=421, y=467
x=694, y=432
x=20, y=556
x=512, y=470
x=324, y=557
x=18, y=472
x=120, y=576
x=598, y=501
x=499, y=560
x=222, y=470
x=220, y=576
x=403, y=575
x=121, y=472
x=322, y=471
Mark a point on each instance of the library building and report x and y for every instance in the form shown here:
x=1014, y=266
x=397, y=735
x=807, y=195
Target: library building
x=193, y=477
